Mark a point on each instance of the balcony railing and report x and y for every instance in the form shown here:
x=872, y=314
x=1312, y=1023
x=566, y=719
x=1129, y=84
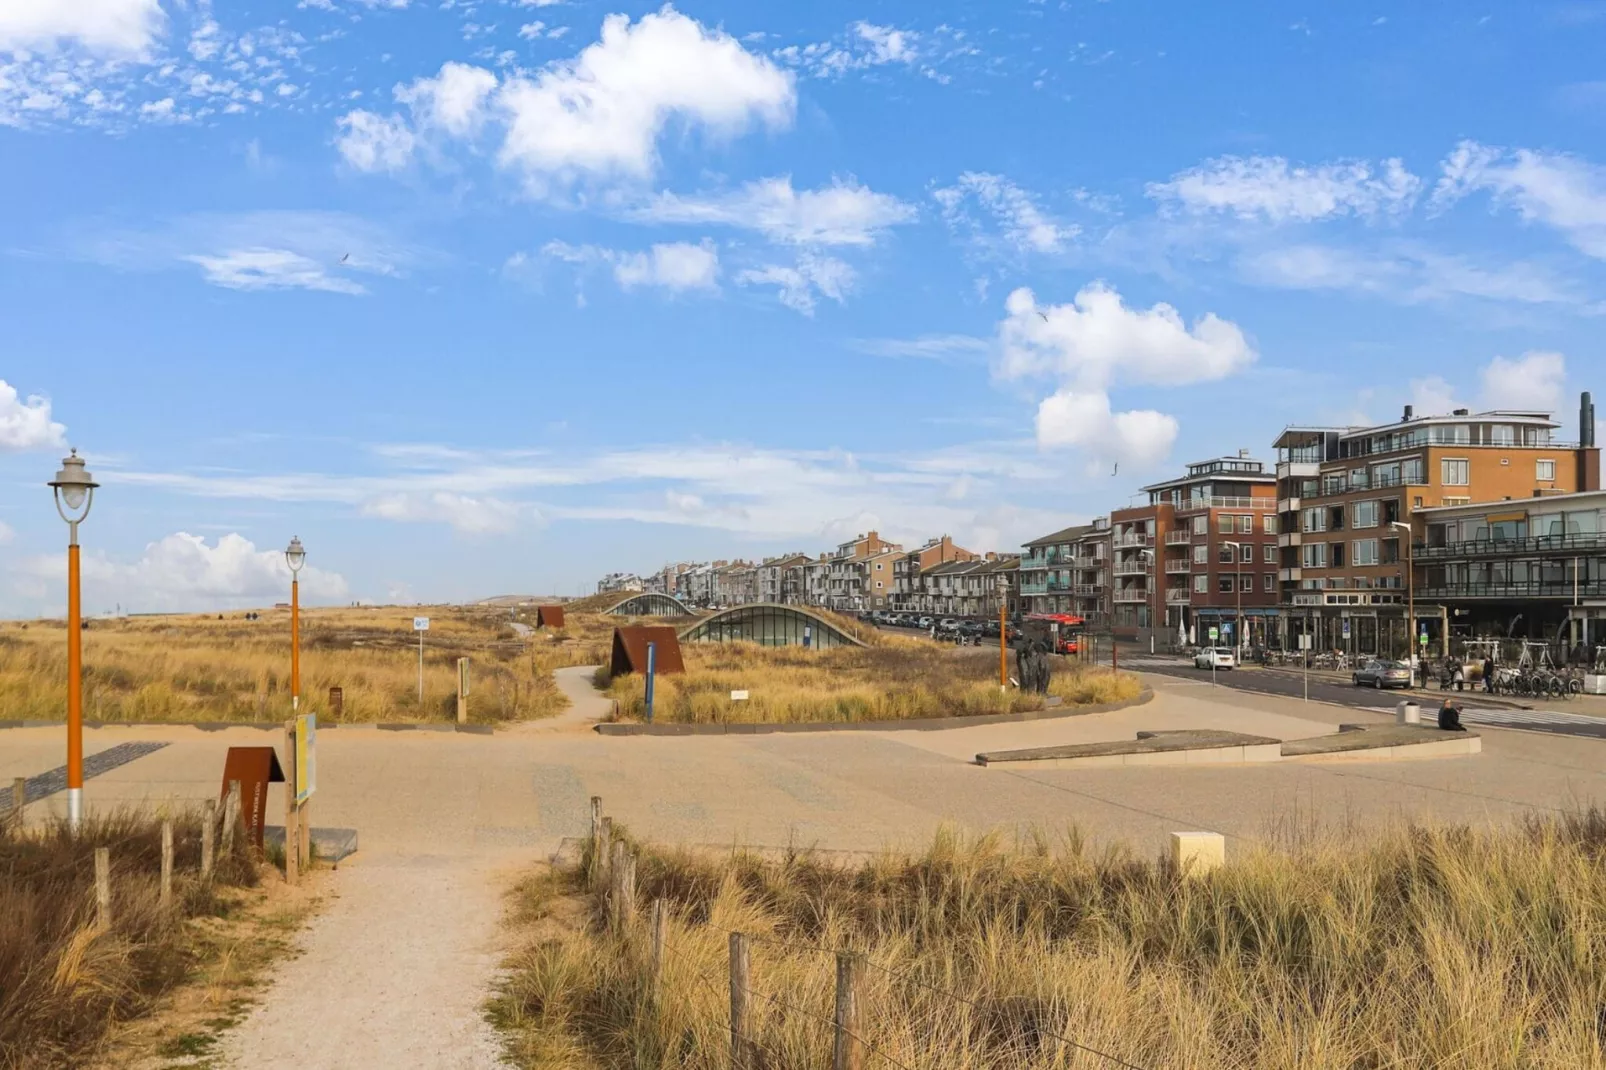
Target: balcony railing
x=1126, y=541
x=1034, y=587
x=1177, y=596
x=1195, y=504
x=1131, y=594
x=1131, y=568
x=1086, y=589
x=1288, y=505
x=1178, y=564
x=1559, y=589
x=1560, y=545
x=1178, y=538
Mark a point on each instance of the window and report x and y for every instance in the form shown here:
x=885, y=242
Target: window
x=1336, y=554
x=1453, y=472
x=1357, y=479
x=1246, y=525
x=1201, y=584
x=1313, y=519
x=1365, y=515
x=1364, y=552
x=1224, y=525
x=1335, y=518
x=1224, y=555
x=1391, y=552
x=1545, y=471
x=1270, y=554
x=1333, y=484
x=1224, y=584
x=1246, y=553
x=1411, y=470
x=1269, y=523
x=1502, y=434
x=1270, y=583
x=1314, y=555
x=1201, y=555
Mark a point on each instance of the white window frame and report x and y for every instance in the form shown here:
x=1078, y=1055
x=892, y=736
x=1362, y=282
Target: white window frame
x=1545, y=470
x=1201, y=583
x=1201, y=554
x=1269, y=524
x=1356, y=555
x=1271, y=583
x=1270, y=554
x=1246, y=525
x=1465, y=472
x=1356, y=518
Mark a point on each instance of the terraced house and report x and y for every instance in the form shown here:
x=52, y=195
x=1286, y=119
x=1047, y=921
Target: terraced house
x=1067, y=571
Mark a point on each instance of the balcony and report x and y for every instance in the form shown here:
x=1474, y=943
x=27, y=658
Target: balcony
x=1123, y=542
x=1288, y=505
x=1132, y=568
x=1087, y=589
x=1178, y=564
x=1034, y=587
x=1177, y=596
x=1289, y=538
x=1560, y=590
x=1193, y=505
x=1301, y=467
x=1132, y=594
x=1535, y=546
x=1178, y=538
x=1288, y=575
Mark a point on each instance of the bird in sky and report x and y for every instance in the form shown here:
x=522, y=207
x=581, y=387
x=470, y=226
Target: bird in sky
x=345, y=258
x=1117, y=469
x=1044, y=315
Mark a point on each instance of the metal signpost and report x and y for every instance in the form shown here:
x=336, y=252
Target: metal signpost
x=420, y=625
x=652, y=667
x=1304, y=650
x=462, y=690
x=1213, y=636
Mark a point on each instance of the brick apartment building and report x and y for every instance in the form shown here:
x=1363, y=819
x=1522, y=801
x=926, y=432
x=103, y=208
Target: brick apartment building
x=1201, y=552
x=906, y=587
x=1348, y=496
x=1067, y=571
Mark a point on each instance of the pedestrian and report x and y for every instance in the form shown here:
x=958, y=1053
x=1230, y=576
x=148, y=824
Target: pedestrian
x=1488, y=673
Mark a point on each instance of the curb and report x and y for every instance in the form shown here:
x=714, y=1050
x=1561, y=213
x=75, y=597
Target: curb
x=263, y=726
x=923, y=724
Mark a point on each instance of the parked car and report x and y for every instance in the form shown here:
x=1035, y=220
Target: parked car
x=925, y=622
x=1380, y=673
x=947, y=624
x=1219, y=657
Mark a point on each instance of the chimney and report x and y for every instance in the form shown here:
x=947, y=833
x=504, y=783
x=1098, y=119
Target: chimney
x=1586, y=420
x=1588, y=455
x=1408, y=412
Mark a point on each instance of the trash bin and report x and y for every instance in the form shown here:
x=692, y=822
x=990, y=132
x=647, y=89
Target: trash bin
x=1408, y=712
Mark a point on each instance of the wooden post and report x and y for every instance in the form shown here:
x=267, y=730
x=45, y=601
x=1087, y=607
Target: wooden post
x=231, y=816
x=103, y=888
x=19, y=800
x=596, y=838
x=660, y=924
x=304, y=828
x=167, y=864
x=622, y=898
x=739, y=988
x=462, y=690
x=292, y=838
x=848, y=1051
x=208, y=832
x=605, y=874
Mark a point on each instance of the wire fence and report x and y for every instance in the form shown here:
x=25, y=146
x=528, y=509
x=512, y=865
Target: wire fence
x=612, y=871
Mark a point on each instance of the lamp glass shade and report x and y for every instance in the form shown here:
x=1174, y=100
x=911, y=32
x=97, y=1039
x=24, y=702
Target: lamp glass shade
x=73, y=495
x=295, y=555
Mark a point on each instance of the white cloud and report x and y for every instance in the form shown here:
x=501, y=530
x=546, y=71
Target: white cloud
x=271, y=269
x=371, y=142
x=26, y=424
x=797, y=286
x=843, y=213
x=864, y=45
x=466, y=514
x=673, y=266
x=943, y=348
x=1557, y=190
x=1083, y=419
x=1096, y=339
x=181, y=572
x=887, y=44
x=1024, y=226
x=1403, y=273
x=454, y=101
x=1535, y=381
x=103, y=26
x=1269, y=188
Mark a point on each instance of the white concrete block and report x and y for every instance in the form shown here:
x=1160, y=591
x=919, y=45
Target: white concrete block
x=1198, y=853
x=1407, y=712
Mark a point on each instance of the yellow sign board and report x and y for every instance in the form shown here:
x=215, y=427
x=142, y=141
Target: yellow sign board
x=306, y=756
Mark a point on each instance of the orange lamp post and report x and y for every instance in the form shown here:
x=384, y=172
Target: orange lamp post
x=295, y=555
x=1003, y=633
x=74, y=489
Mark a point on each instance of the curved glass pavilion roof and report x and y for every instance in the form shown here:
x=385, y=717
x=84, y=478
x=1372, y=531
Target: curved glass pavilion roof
x=650, y=604
x=768, y=625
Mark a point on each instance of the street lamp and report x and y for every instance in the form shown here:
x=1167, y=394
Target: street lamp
x=295, y=555
x=1153, y=581
x=1410, y=600
x=74, y=489
x=1003, y=632
x=1238, y=593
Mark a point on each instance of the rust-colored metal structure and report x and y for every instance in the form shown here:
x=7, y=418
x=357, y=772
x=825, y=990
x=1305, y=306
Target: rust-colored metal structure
x=549, y=617
x=630, y=650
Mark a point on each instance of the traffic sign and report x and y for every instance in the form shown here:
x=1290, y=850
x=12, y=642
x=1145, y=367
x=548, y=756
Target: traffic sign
x=420, y=624
x=1214, y=634
x=1346, y=627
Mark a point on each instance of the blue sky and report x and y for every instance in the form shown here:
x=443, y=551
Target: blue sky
x=485, y=296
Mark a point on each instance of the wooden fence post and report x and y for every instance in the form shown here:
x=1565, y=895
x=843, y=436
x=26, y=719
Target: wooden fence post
x=103, y=888
x=167, y=865
x=292, y=838
x=596, y=838
x=739, y=987
x=231, y=816
x=208, y=832
x=622, y=896
x=604, y=874
x=19, y=799
x=660, y=923
x=848, y=1051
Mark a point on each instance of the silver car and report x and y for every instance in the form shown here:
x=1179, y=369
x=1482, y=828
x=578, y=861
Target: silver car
x=1380, y=673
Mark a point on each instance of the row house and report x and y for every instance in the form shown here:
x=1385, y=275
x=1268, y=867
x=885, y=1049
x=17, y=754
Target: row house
x=623, y=582
x=772, y=577
x=1350, y=499
x=1200, y=553
x=907, y=569
x=1067, y=571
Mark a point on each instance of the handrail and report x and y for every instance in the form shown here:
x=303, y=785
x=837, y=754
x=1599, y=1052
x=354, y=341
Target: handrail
x=1530, y=544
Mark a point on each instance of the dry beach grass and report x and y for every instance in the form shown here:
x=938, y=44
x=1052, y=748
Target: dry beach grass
x=1452, y=948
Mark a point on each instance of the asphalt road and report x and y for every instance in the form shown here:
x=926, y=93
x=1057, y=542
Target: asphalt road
x=1288, y=684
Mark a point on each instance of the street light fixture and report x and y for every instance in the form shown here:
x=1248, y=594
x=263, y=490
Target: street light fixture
x=295, y=555
x=1410, y=600
x=1238, y=593
x=74, y=490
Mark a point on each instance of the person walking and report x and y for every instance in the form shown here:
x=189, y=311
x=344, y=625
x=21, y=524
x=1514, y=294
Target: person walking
x=1488, y=674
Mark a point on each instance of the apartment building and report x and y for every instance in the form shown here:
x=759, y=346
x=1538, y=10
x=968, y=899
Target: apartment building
x=623, y=582
x=1067, y=571
x=1201, y=552
x=1347, y=497
x=772, y=578
x=906, y=586
x=877, y=581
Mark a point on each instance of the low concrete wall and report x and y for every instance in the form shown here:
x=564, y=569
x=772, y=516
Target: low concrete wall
x=1438, y=748
x=924, y=724
x=1256, y=752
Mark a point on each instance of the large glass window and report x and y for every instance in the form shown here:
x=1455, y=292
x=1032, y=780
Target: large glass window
x=1313, y=555
x=1246, y=552
x=1224, y=524
x=1313, y=518
x=1364, y=552
x=1502, y=434
x=1201, y=584
x=1270, y=554
x=1270, y=582
x=1201, y=525
x=1224, y=585
x=1365, y=514
x=1453, y=471
x=1269, y=523
x=1201, y=555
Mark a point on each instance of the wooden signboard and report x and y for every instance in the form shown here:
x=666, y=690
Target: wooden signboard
x=255, y=768
x=549, y=617
x=630, y=649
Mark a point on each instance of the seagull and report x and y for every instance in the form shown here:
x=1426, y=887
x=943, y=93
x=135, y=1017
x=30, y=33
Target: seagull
x=1117, y=469
x=1043, y=314
x=345, y=258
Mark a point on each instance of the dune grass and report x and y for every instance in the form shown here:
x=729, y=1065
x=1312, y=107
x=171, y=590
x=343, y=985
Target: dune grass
x=198, y=667
x=895, y=679
x=1449, y=948
x=64, y=984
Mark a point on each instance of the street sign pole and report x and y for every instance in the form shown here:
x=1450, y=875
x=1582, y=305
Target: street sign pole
x=652, y=667
x=420, y=625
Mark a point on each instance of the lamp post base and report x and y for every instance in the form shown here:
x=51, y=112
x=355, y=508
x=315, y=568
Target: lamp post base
x=75, y=808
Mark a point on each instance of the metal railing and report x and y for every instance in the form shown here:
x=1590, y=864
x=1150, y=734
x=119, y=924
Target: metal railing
x=1127, y=541
x=1178, y=596
x=1178, y=538
x=1560, y=589
x=1178, y=564
x=1132, y=594
x=1193, y=504
x=1132, y=568
x=1533, y=544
